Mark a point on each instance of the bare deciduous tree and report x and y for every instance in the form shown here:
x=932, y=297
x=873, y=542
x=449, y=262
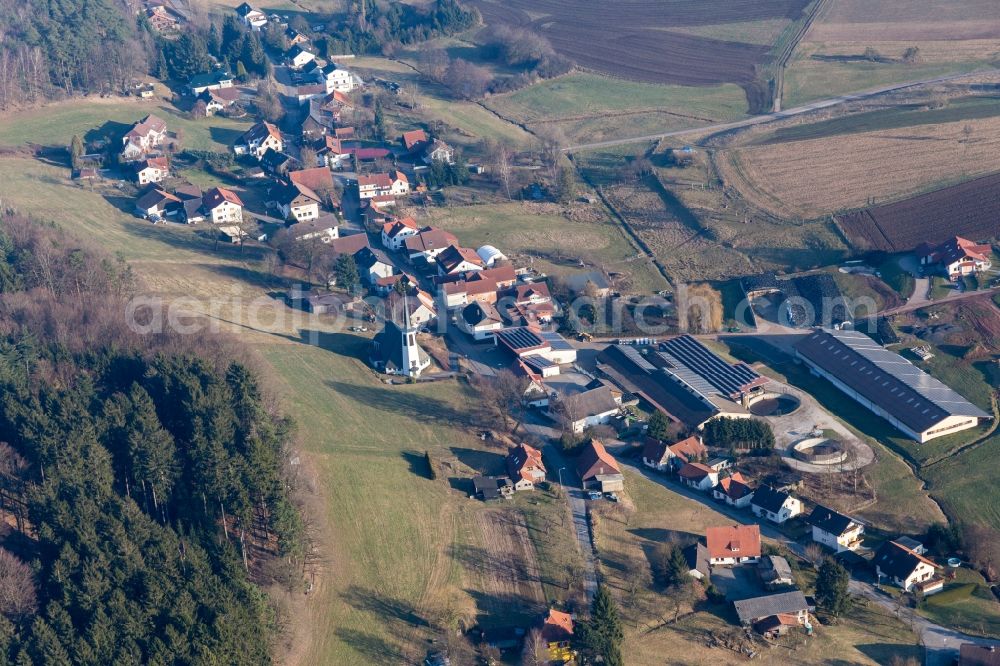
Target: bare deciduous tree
x=534, y=652
x=17, y=587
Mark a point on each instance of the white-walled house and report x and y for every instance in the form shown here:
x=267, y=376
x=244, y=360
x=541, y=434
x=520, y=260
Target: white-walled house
x=835, y=530
x=774, y=505
x=733, y=544
x=905, y=568
x=222, y=206
x=698, y=476
x=258, y=139
x=395, y=233
x=734, y=490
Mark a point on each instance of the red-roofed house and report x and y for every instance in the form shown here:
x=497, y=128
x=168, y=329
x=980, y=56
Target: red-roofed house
x=698, y=476
x=455, y=259
x=957, y=257
x=734, y=490
x=429, y=243
x=222, y=205
x=734, y=544
x=151, y=170
x=414, y=140
x=557, y=633
x=396, y=231
x=525, y=467
x=598, y=469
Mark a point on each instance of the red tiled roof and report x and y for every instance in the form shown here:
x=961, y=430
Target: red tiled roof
x=379, y=180
x=695, y=471
x=316, y=178
x=733, y=541
x=217, y=195
x=557, y=626
x=688, y=449
x=595, y=460
x=430, y=238
x=414, y=138
x=735, y=486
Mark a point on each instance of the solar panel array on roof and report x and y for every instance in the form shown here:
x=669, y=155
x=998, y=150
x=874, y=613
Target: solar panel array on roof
x=729, y=379
x=632, y=354
x=556, y=341
x=521, y=337
x=538, y=363
x=885, y=378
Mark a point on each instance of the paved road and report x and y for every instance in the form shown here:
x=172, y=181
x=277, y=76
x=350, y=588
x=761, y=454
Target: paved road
x=770, y=117
x=942, y=643
x=958, y=296
x=578, y=507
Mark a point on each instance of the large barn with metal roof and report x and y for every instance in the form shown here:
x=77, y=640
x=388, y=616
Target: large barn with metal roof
x=683, y=378
x=886, y=383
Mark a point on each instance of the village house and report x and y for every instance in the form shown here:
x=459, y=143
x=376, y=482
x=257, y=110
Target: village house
x=734, y=490
x=324, y=229
x=298, y=56
x=579, y=411
x=296, y=202
x=386, y=285
x=143, y=137
x=525, y=467
x=258, y=139
x=277, y=164
x=957, y=257
x=731, y=545
x=151, y=170
x=906, y=568
x=529, y=303
x=775, y=572
x=350, y=244
x=396, y=231
x=773, y=614
x=557, y=634
x=217, y=80
x=393, y=183
x=481, y=321
x=598, y=469
x=454, y=259
x=835, y=530
x=219, y=99
x=373, y=264
x=414, y=140
x=698, y=476
x=774, y=505
x=912, y=544
x=328, y=110
x=428, y=243
x=294, y=36
x=438, y=151
x=317, y=179
x=332, y=77
x=222, y=205
x=155, y=203
x=524, y=341
x=971, y=654
x=418, y=304
x=250, y=17
x=458, y=290
x=665, y=457
x=332, y=153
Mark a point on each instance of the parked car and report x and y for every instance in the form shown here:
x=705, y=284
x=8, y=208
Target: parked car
x=612, y=496
x=594, y=495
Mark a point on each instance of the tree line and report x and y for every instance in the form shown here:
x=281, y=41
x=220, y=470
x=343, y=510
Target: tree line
x=145, y=475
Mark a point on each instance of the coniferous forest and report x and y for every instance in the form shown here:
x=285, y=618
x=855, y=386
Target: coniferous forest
x=142, y=482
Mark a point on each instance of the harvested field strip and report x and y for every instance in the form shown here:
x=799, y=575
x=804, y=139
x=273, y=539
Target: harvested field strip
x=908, y=20
x=502, y=562
x=641, y=49
x=972, y=210
x=814, y=177
x=971, y=108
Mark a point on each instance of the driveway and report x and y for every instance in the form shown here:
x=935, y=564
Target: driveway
x=578, y=506
x=921, y=285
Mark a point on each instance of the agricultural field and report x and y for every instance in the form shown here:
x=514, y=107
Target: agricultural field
x=952, y=37
x=588, y=107
x=811, y=178
x=972, y=209
x=537, y=233
x=700, y=231
x=634, y=40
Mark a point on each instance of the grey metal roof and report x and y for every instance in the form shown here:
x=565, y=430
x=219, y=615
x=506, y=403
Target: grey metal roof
x=885, y=378
x=521, y=337
x=751, y=610
x=705, y=370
